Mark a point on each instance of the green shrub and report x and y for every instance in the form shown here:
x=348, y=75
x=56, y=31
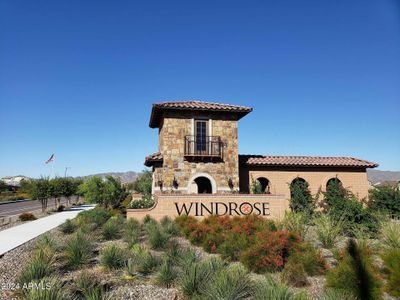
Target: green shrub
x=390, y=234
x=300, y=197
x=88, y=287
x=156, y=236
x=78, y=250
x=146, y=202
x=142, y=261
x=337, y=294
x=185, y=257
x=295, y=222
x=131, y=232
x=67, y=227
x=169, y=226
x=98, y=216
x=233, y=245
x=173, y=250
x=47, y=241
x=294, y=274
x=112, y=229
x=26, y=217
x=232, y=282
x=387, y=199
x=344, y=207
x=39, y=267
x=47, y=289
x=113, y=257
x=328, y=230
x=148, y=219
x=167, y=273
x=356, y=273
x=391, y=257
x=271, y=289
x=309, y=257
x=196, y=275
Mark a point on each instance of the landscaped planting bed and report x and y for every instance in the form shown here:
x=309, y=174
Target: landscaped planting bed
x=100, y=256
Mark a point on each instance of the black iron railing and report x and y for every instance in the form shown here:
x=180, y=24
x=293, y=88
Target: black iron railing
x=203, y=146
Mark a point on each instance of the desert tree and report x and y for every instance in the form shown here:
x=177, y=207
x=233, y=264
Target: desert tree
x=113, y=192
x=92, y=190
x=144, y=183
x=41, y=189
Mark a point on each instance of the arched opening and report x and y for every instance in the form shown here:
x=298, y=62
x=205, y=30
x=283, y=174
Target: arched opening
x=333, y=183
x=300, y=196
x=203, y=185
x=263, y=184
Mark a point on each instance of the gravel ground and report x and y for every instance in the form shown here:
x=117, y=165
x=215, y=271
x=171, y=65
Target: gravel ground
x=144, y=292
x=13, y=261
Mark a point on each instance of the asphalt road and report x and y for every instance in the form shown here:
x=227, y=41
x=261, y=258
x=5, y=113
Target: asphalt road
x=17, y=208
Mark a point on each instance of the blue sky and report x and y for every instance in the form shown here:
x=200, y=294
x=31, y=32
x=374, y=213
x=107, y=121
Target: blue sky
x=77, y=78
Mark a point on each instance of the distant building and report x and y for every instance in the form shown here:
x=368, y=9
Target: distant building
x=14, y=181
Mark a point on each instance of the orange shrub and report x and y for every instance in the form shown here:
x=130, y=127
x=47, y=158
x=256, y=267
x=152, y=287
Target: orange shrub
x=270, y=251
x=251, y=239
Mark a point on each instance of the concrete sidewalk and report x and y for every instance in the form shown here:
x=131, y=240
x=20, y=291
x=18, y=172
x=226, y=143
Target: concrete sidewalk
x=18, y=235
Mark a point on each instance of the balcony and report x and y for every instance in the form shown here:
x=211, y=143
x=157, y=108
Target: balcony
x=204, y=147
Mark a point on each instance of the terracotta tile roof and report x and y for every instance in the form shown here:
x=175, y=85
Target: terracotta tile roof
x=305, y=161
x=195, y=105
x=153, y=158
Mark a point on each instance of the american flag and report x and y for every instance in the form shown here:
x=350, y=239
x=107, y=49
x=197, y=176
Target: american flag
x=52, y=158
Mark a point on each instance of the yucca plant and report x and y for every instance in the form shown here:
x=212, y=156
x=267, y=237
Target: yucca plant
x=173, y=250
x=390, y=234
x=328, y=230
x=131, y=232
x=67, y=227
x=169, y=226
x=230, y=283
x=156, y=236
x=48, y=289
x=47, y=241
x=148, y=263
x=142, y=261
x=78, y=250
x=113, y=257
x=89, y=288
x=39, y=267
x=356, y=273
x=186, y=257
x=271, y=289
x=167, y=273
x=111, y=229
x=337, y=294
x=196, y=275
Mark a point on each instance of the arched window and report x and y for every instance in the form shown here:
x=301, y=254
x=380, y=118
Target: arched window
x=264, y=185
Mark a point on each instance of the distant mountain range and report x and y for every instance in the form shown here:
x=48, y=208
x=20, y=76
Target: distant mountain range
x=125, y=177
x=376, y=176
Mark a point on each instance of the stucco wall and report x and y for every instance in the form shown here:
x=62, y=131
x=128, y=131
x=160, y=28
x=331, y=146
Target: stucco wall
x=354, y=180
x=268, y=206
x=172, y=134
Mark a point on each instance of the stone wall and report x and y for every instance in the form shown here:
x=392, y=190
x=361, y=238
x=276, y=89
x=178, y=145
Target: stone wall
x=354, y=180
x=200, y=206
x=172, y=134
